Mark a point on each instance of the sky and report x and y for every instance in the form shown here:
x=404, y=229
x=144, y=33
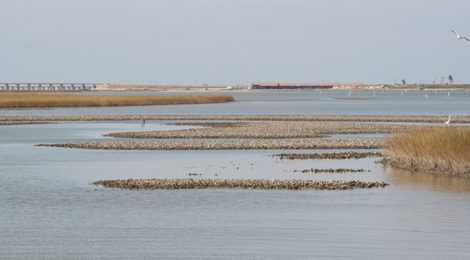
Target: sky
x=233, y=42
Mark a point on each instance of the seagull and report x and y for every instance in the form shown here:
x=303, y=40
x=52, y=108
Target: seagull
x=458, y=36
x=448, y=121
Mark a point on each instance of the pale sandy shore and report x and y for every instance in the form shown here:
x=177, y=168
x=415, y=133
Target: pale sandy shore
x=268, y=144
x=172, y=184
x=345, y=118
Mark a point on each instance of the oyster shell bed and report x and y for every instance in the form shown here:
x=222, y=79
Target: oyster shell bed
x=337, y=156
x=345, y=118
x=331, y=170
x=22, y=123
x=173, y=184
x=269, y=144
x=267, y=129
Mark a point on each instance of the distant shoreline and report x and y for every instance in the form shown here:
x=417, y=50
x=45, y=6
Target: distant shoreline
x=246, y=88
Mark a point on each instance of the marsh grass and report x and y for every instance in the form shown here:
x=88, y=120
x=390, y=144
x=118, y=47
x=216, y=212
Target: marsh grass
x=445, y=150
x=26, y=100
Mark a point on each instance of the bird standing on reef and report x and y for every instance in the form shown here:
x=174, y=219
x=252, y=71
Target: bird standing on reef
x=459, y=37
x=447, y=122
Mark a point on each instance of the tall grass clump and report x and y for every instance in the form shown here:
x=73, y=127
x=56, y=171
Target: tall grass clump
x=30, y=100
x=444, y=150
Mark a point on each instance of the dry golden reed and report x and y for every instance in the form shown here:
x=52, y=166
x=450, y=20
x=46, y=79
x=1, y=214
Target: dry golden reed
x=445, y=150
x=25, y=100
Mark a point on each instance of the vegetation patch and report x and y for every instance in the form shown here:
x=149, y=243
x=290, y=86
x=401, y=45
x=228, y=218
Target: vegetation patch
x=175, y=184
x=29, y=100
x=340, y=156
x=443, y=150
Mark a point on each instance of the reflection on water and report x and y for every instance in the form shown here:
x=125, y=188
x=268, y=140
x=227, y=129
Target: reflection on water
x=49, y=209
x=427, y=180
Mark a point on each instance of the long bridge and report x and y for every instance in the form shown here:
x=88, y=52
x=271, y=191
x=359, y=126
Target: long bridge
x=47, y=86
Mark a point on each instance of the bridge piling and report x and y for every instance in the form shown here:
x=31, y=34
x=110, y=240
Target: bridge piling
x=47, y=86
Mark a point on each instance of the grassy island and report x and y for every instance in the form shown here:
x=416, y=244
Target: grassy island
x=443, y=150
x=34, y=100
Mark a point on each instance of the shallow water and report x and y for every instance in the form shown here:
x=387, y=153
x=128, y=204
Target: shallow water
x=50, y=210
x=302, y=102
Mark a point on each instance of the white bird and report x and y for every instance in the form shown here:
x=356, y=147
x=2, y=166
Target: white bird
x=447, y=122
x=426, y=96
x=459, y=37
x=349, y=92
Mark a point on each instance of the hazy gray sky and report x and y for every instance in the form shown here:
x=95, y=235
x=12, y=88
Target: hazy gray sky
x=230, y=42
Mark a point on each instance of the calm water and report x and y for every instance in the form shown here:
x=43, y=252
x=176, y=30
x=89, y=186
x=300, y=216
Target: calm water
x=292, y=103
x=49, y=209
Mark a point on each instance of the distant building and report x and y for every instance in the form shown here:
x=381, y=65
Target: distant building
x=276, y=85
